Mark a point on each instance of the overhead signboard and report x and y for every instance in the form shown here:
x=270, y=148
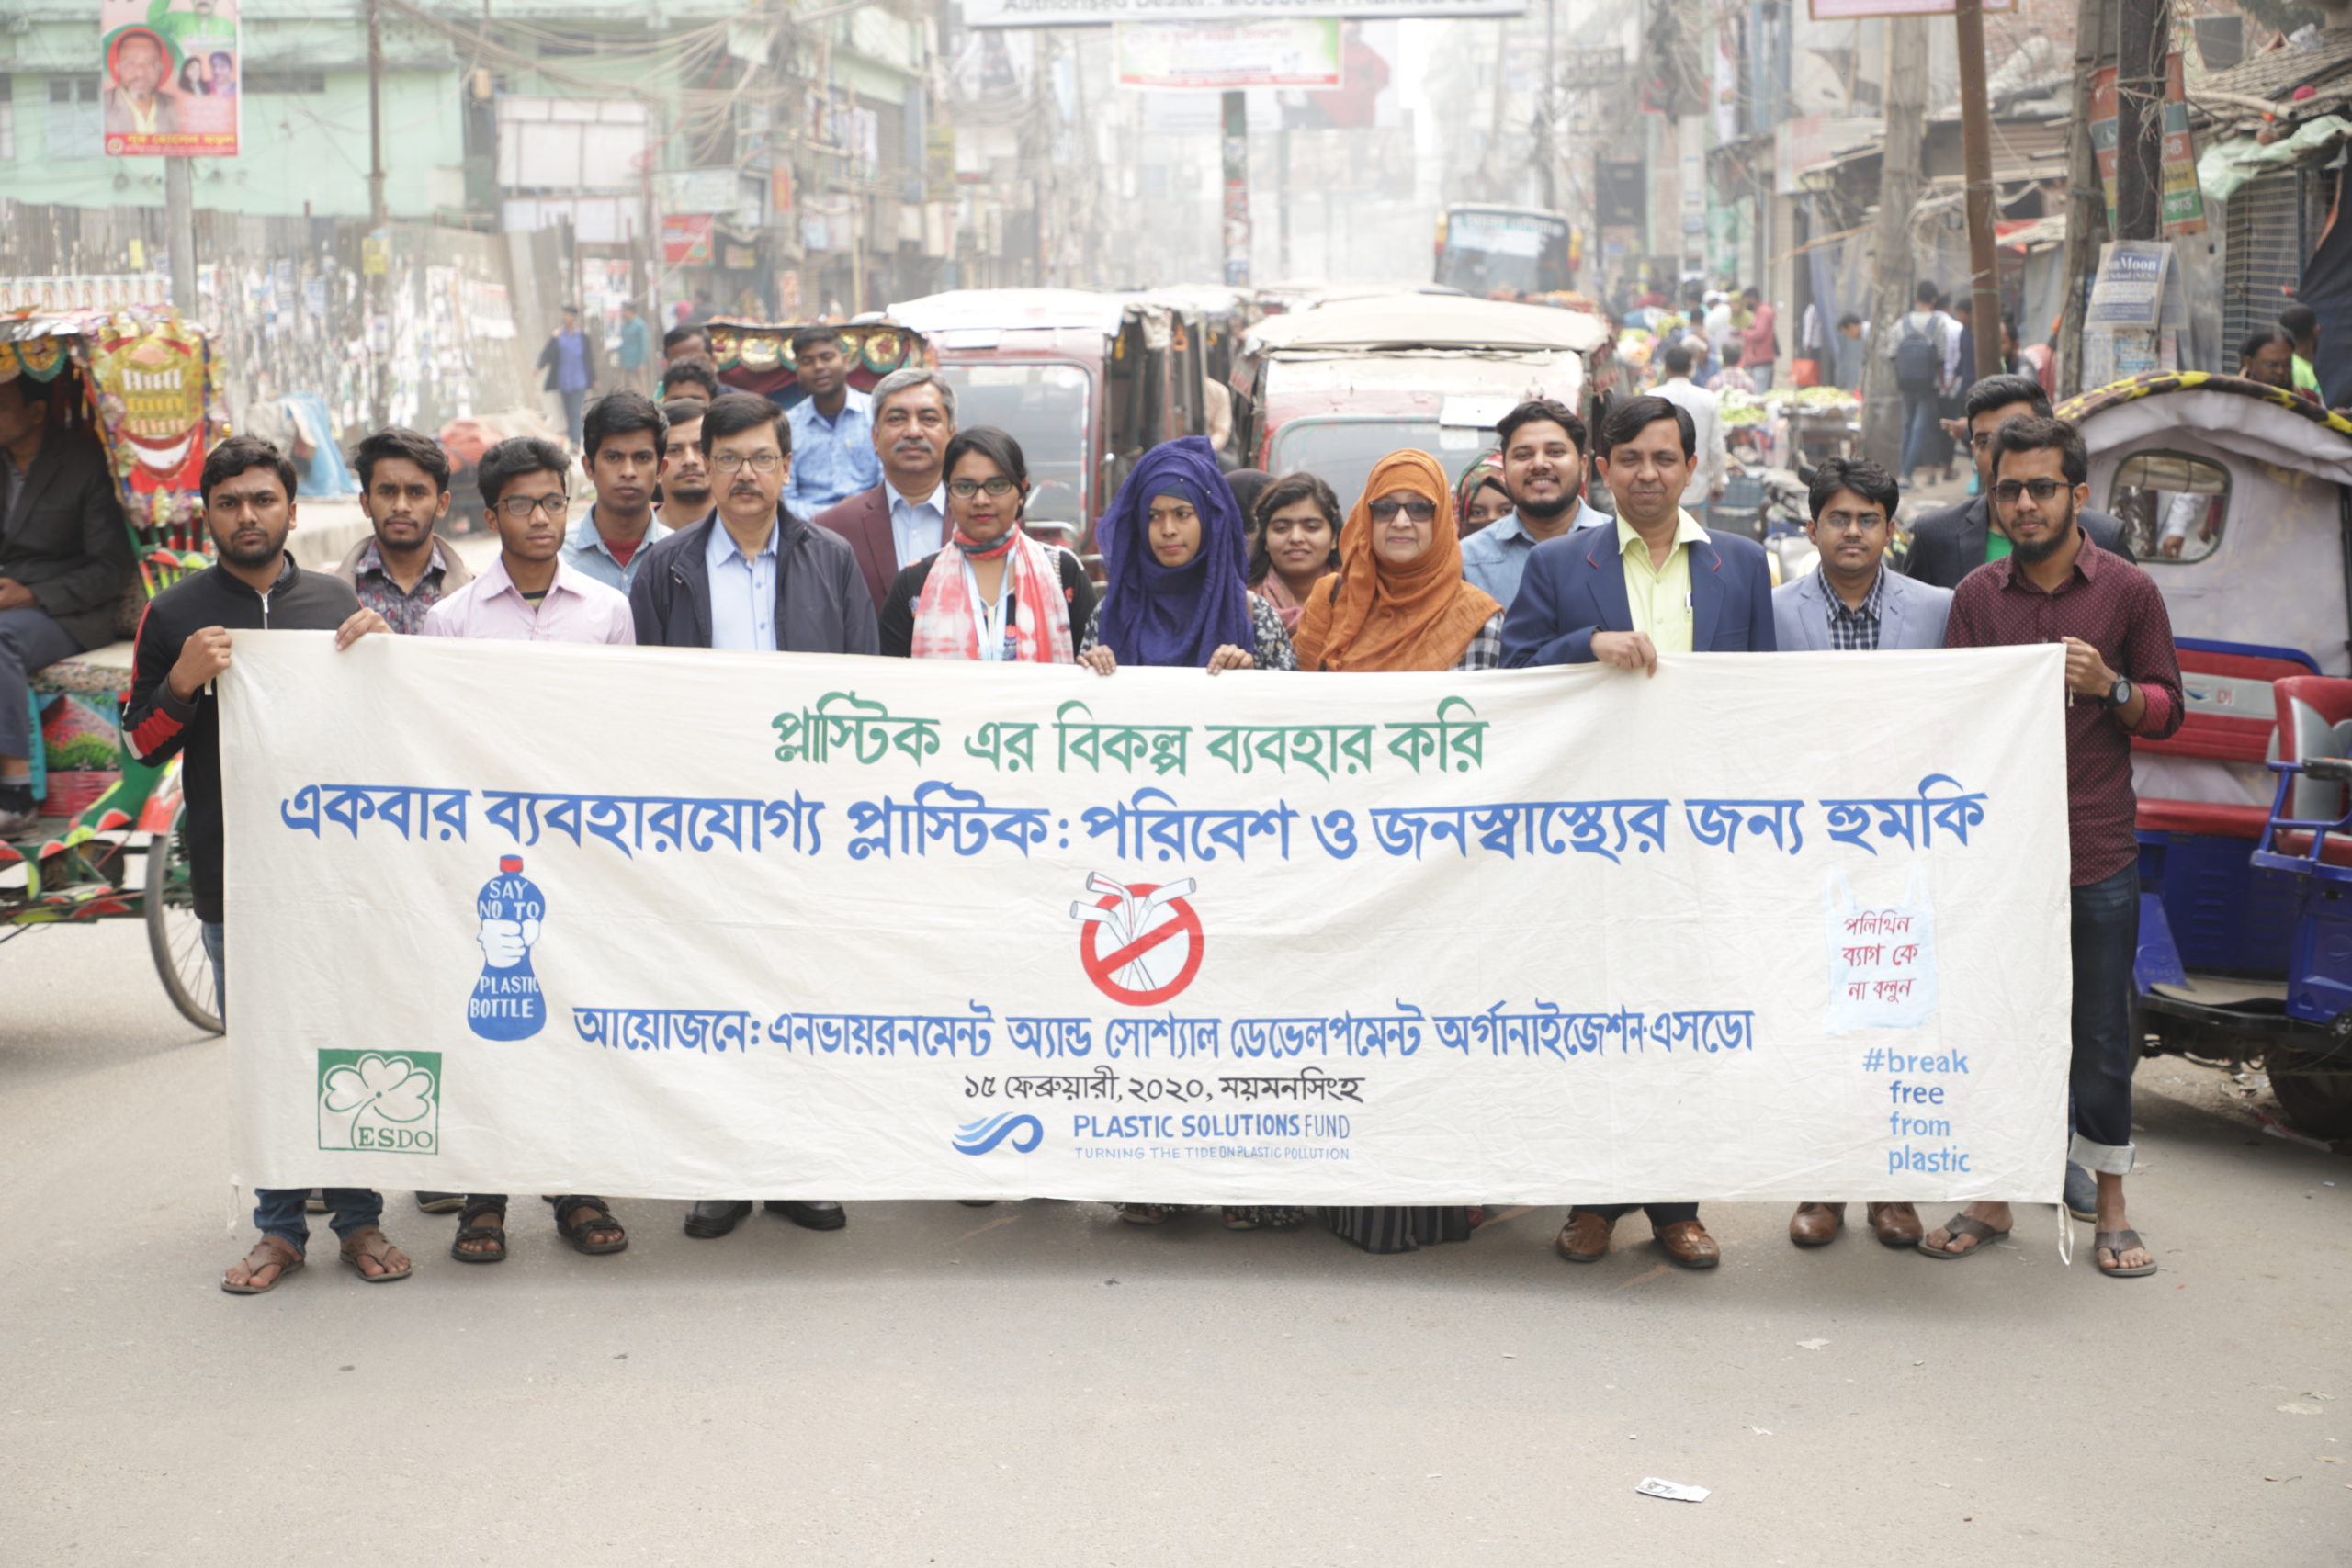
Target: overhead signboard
x=1286, y=52
x=1853, y=11
x=1084, y=13
x=172, y=75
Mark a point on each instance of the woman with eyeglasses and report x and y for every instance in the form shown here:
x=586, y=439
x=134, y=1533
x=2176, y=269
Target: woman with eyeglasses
x=994, y=594
x=1176, y=591
x=1298, y=543
x=1397, y=601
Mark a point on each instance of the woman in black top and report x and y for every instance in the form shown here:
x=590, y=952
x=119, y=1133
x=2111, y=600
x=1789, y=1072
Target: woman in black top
x=994, y=594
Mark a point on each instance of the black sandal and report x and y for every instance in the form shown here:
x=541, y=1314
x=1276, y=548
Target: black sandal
x=577, y=1233
x=469, y=1231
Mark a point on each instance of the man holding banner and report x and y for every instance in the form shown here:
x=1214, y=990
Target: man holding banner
x=1669, y=586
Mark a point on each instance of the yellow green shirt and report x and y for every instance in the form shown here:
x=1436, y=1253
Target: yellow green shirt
x=1660, y=596
x=2306, y=379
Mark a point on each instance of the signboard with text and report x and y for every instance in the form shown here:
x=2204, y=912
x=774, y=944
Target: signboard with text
x=1855, y=10
x=1293, y=51
x=1079, y=13
x=866, y=928
x=173, y=78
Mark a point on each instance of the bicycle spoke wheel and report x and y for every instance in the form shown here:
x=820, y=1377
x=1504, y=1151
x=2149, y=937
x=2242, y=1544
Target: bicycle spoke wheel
x=175, y=936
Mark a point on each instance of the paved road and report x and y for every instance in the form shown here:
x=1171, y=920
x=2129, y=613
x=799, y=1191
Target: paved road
x=1034, y=1384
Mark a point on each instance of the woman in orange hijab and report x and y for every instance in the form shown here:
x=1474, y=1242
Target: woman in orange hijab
x=1397, y=601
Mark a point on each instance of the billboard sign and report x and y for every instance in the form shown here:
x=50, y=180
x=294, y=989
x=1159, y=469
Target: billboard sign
x=173, y=73
x=1082, y=13
x=1286, y=52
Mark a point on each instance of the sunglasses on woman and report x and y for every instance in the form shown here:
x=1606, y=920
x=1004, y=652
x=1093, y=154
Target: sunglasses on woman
x=1419, y=510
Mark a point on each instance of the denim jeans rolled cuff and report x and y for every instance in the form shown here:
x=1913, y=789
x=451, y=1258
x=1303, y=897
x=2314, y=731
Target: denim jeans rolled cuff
x=2106, y=921
x=278, y=1212
x=214, y=938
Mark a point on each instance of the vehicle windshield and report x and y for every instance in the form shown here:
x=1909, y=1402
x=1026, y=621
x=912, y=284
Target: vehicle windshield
x=1341, y=452
x=1514, y=252
x=1042, y=405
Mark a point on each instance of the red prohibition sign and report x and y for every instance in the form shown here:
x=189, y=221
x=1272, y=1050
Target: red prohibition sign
x=1183, y=923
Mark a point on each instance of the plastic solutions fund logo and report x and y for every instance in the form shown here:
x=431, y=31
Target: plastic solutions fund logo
x=382, y=1103
x=1019, y=1133
x=506, y=1003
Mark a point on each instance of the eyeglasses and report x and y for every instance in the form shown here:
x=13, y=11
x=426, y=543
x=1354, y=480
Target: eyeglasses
x=997, y=488
x=1419, y=510
x=1851, y=521
x=732, y=462
x=2042, y=491
x=518, y=507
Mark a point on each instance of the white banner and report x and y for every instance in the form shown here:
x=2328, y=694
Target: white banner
x=676, y=924
x=1287, y=51
x=1079, y=13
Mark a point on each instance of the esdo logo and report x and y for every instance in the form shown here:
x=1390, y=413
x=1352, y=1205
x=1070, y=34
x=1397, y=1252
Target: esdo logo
x=380, y=1103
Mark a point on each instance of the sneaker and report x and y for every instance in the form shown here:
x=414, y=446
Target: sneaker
x=316, y=1203
x=440, y=1202
x=2082, y=1193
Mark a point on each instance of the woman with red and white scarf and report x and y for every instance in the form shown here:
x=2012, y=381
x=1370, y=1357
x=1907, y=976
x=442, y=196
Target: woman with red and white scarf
x=994, y=594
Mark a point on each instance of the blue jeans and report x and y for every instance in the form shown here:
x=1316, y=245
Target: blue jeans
x=2106, y=934
x=1762, y=375
x=278, y=1210
x=1919, y=428
x=29, y=640
x=574, y=405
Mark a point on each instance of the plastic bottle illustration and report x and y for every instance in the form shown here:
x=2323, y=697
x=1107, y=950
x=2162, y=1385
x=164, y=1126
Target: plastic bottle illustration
x=507, y=1003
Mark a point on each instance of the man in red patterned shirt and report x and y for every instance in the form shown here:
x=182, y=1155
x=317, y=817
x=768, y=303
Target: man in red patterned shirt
x=2123, y=679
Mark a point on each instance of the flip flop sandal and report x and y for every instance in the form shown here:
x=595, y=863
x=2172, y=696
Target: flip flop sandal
x=469, y=1231
x=1144, y=1213
x=376, y=1245
x=1954, y=1228
x=2118, y=1243
x=576, y=1232
x=269, y=1249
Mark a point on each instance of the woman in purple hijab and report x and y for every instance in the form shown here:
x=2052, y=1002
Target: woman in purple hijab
x=1175, y=592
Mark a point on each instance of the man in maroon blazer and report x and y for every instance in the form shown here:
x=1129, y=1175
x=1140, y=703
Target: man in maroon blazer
x=904, y=518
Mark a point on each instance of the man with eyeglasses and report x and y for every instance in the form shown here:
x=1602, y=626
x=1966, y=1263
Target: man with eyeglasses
x=1851, y=603
x=903, y=519
x=753, y=575
x=531, y=593
x=2122, y=680
x=833, y=426
x=754, y=578
x=1948, y=545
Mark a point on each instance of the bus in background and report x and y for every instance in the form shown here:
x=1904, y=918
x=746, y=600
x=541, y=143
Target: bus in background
x=1507, y=251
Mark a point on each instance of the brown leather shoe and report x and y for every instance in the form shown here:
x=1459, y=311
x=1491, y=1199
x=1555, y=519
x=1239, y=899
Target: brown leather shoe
x=1585, y=1238
x=1688, y=1243
x=1895, y=1224
x=1817, y=1224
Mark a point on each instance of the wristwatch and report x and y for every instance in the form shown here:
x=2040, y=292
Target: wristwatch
x=2118, y=696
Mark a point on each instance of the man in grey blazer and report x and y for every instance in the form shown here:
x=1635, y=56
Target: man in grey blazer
x=1853, y=603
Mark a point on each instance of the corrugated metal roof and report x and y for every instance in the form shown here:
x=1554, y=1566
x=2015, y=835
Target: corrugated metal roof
x=2281, y=72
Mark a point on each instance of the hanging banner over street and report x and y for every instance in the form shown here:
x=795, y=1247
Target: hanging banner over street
x=1077, y=13
x=1854, y=10
x=507, y=917
x=1293, y=51
x=173, y=80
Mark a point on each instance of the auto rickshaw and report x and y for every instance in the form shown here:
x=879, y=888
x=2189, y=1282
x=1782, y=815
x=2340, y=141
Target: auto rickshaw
x=108, y=845
x=2237, y=499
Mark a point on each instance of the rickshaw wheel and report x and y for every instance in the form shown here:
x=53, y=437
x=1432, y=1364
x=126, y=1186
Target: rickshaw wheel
x=175, y=936
x=2317, y=1102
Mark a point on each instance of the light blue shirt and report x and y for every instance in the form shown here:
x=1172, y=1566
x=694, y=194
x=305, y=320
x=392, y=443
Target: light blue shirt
x=832, y=459
x=586, y=552
x=1495, y=557
x=918, y=528
x=743, y=593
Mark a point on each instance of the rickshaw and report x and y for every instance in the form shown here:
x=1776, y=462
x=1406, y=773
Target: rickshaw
x=108, y=843
x=2237, y=498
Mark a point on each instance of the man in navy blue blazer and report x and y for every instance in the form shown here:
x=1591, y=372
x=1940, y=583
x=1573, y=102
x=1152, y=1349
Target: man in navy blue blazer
x=1656, y=583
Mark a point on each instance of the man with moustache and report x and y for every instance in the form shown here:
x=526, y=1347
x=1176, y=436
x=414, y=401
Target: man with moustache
x=903, y=519
x=404, y=568
x=754, y=578
x=248, y=491
x=1945, y=545
x=685, y=473
x=2122, y=680
x=625, y=437
x=1543, y=444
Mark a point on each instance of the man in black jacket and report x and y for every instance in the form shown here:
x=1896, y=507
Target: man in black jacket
x=64, y=563
x=248, y=489
x=1945, y=545
x=753, y=578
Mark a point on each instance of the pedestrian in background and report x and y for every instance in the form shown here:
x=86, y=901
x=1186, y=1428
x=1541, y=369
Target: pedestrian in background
x=634, y=353
x=2302, y=325
x=1706, y=415
x=2122, y=680
x=1759, y=341
x=247, y=487
x=1924, y=350
x=570, y=359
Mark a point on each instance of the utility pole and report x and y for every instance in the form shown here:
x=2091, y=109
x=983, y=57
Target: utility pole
x=1976, y=155
x=375, y=117
x=2086, y=206
x=377, y=249
x=1898, y=192
x=1237, y=190
x=180, y=231
x=2143, y=52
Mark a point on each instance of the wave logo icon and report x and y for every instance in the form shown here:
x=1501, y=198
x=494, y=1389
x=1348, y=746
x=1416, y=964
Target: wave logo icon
x=1023, y=1133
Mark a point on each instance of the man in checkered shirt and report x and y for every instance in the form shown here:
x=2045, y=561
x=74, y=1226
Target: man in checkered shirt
x=1854, y=602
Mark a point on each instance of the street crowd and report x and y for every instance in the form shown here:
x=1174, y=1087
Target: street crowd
x=871, y=523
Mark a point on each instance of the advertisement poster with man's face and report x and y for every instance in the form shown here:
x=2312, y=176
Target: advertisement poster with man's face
x=173, y=77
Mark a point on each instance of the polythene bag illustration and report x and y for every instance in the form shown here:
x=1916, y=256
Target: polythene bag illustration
x=1882, y=956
